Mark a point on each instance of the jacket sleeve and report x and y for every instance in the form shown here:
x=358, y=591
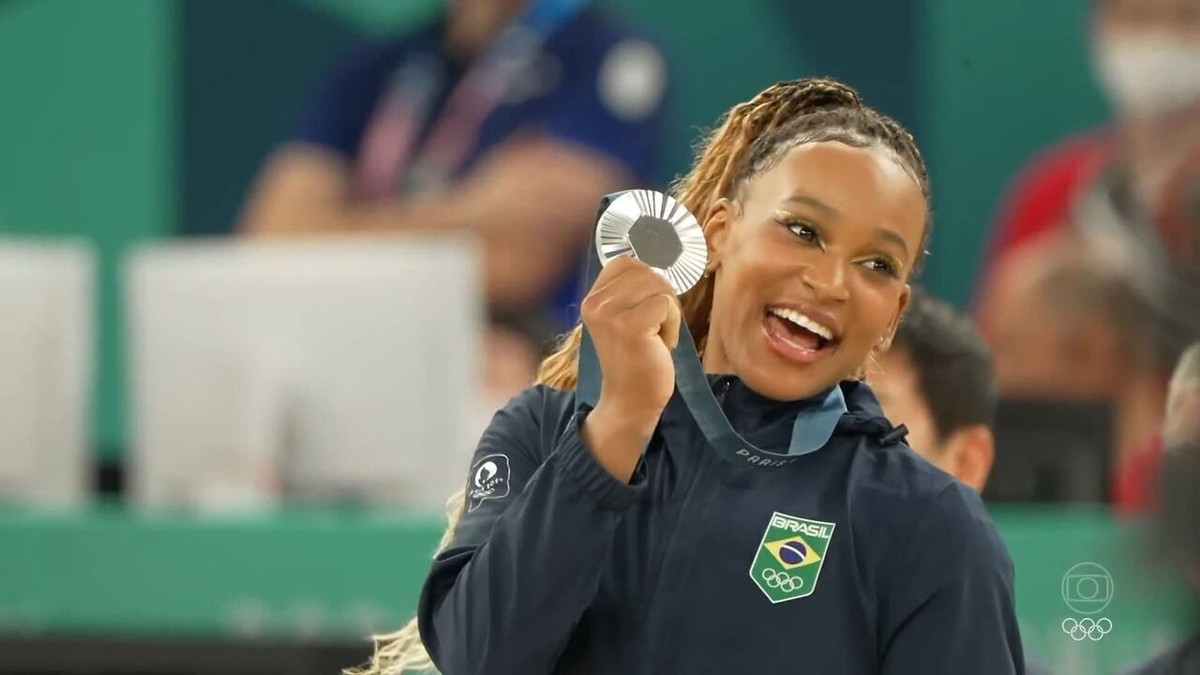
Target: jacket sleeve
x=528, y=553
x=950, y=606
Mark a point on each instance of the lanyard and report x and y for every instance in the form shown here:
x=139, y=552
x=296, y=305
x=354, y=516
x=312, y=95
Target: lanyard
x=390, y=160
x=810, y=432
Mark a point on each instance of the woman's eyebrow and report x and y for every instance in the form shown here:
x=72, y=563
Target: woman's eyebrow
x=892, y=236
x=815, y=203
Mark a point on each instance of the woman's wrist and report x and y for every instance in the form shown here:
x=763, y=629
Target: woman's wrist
x=617, y=437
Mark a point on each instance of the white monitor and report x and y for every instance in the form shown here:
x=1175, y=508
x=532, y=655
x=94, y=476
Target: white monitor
x=46, y=359
x=320, y=371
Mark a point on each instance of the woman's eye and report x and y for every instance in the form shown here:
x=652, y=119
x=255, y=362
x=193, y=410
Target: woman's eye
x=882, y=265
x=805, y=231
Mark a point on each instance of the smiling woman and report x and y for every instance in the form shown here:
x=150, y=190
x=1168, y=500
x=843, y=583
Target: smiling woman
x=626, y=541
x=815, y=257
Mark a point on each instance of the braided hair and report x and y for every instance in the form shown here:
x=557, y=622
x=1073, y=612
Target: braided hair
x=752, y=138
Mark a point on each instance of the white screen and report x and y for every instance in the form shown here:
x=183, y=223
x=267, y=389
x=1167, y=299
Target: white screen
x=304, y=371
x=46, y=361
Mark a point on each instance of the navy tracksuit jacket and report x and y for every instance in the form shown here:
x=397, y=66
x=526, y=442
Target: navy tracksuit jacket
x=705, y=563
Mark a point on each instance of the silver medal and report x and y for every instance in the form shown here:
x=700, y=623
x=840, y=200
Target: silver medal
x=657, y=230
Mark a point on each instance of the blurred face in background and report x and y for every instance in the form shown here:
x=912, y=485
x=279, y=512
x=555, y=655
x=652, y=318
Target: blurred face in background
x=1077, y=358
x=1183, y=417
x=1050, y=338
x=1182, y=423
x=965, y=453
x=1147, y=53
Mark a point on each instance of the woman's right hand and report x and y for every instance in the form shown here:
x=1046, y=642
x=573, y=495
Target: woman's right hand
x=633, y=317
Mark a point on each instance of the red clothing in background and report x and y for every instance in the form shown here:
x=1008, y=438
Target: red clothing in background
x=1043, y=194
x=1135, y=485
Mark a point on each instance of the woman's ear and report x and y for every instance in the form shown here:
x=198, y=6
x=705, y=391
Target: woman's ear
x=716, y=230
x=885, y=342
x=970, y=452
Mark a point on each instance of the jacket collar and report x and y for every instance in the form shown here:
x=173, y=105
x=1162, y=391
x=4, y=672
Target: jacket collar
x=862, y=415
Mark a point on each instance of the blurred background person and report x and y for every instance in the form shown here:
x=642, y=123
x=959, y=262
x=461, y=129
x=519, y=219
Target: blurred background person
x=1074, y=300
x=1067, y=327
x=937, y=380
x=507, y=119
x=1144, y=54
x=1179, y=503
x=1183, y=401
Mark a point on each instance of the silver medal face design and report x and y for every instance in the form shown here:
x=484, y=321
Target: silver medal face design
x=657, y=230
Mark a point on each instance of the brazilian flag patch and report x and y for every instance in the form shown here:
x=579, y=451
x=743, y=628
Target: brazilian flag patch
x=790, y=557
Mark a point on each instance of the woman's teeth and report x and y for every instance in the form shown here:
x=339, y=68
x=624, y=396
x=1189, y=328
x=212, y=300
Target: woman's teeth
x=803, y=321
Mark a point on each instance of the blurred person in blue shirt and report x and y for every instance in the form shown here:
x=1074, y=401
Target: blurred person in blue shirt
x=504, y=118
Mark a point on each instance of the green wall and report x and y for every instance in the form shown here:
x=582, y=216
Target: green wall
x=87, y=144
x=1002, y=78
